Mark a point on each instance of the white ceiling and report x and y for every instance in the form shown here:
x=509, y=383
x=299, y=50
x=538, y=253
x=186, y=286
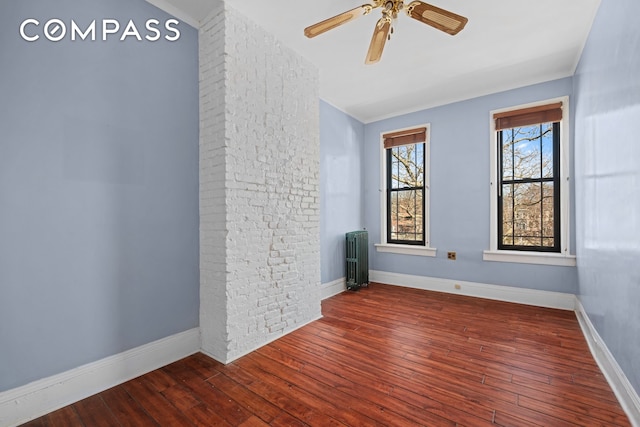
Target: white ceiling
x=506, y=44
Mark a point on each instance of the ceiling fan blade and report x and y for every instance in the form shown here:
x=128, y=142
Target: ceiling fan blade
x=440, y=19
x=336, y=21
x=378, y=40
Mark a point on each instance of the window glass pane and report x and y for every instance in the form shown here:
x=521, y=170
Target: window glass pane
x=527, y=201
x=526, y=152
x=407, y=166
x=419, y=215
x=547, y=242
x=507, y=154
x=394, y=215
x=527, y=214
x=419, y=161
x=395, y=167
x=548, y=214
x=547, y=150
x=403, y=170
x=419, y=206
x=507, y=214
x=409, y=219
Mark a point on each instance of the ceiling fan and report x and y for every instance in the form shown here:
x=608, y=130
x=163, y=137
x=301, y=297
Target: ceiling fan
x=440, y=19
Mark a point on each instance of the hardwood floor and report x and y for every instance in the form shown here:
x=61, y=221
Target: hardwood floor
x=384, y=355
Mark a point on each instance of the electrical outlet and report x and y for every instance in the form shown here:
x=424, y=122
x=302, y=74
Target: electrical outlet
x=451, y=256
x=457, y=286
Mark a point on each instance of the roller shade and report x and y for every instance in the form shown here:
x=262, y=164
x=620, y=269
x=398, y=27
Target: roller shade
x=529, y=116
x=404, y=137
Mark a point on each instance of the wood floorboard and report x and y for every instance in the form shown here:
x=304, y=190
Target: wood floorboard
x=382, y=356
x=65, y=417
x=127, y=411
x=249, y=400
x=160, y=409
x=345, y=391
x=94, y=412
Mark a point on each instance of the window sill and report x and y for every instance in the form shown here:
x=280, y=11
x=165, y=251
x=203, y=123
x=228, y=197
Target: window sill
x=405, y=249
x=530, y=258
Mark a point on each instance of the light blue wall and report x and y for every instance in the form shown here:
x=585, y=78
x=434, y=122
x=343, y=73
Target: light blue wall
x=98, y=189
x=607, y=90
x=341, y=139
x=460, y=173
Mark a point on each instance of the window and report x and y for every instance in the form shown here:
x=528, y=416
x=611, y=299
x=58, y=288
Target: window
x=529, y=187
x=530, y=191
x=404, y=192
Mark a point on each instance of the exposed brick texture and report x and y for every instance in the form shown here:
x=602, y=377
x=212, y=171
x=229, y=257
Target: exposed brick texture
x=259, y=187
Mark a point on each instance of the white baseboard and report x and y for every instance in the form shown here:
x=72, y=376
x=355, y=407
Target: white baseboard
x=481, y=290
x=38, y=398
x=624, y=391
x=327, y=290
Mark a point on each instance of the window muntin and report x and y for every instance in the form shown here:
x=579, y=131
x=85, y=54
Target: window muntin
x=406, y=194
x=529, y=188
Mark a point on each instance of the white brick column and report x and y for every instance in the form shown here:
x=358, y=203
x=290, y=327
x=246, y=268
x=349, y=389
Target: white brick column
x=259, y=187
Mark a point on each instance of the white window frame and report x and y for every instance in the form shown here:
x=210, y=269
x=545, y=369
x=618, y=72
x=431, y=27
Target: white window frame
x=564, y=257
x=383, y=246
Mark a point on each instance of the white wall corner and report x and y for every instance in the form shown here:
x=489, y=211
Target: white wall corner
x=329, y=289
x=527, y=296
x=41, y=397
x=622, y=388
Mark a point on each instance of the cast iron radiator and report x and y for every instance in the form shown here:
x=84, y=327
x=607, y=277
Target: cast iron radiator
x=357, y=255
